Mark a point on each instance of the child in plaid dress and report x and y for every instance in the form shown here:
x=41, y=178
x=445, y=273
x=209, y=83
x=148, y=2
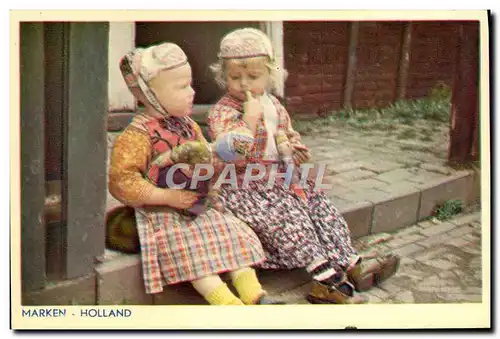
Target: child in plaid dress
x=298, y=228
x=176, y=246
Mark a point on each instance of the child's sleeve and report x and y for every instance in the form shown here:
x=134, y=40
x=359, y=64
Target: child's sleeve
x=129, y=158
x=231, y=136
x=223, y=119
x=293, y=136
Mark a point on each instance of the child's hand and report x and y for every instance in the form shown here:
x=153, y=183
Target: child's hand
x=181, y=199
x=163, y=160
x=301, y=154
x=216, y=201
x=252, y=106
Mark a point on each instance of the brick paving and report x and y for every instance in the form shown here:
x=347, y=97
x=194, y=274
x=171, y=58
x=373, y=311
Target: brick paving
x=441, y=263
x=365, y=165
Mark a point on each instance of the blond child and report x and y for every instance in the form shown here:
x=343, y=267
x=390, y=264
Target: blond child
x=298, y=228
x=176, y=247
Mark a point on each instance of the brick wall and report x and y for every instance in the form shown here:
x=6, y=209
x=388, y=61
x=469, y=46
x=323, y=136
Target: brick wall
x=377, y=63
x=316, y=57
x=433, y=53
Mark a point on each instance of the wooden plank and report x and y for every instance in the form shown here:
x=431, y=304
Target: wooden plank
x=54, y=67
x=464, y=101
x=54, y=98
x=32, y=157
x=85, y=146
x=119, y=121
x=351, y=64
x=404, y=63
x=54, y=231
x=476, y=141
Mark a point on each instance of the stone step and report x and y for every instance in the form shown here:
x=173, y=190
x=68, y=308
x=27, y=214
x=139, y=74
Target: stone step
x=119, y=281
x=372, y=210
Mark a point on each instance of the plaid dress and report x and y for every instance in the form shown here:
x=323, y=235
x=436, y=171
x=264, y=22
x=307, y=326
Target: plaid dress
x=176, y=247
x=293, y=233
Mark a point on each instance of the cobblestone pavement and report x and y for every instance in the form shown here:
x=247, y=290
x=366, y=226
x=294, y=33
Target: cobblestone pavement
x=368, y=166
x=441, y=263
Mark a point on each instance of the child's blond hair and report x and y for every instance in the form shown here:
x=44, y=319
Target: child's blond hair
x=276, y=73
x=244, y=44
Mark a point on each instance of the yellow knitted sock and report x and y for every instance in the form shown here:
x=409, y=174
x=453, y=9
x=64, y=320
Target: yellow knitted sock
x=248, y=286
x=222, y=295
